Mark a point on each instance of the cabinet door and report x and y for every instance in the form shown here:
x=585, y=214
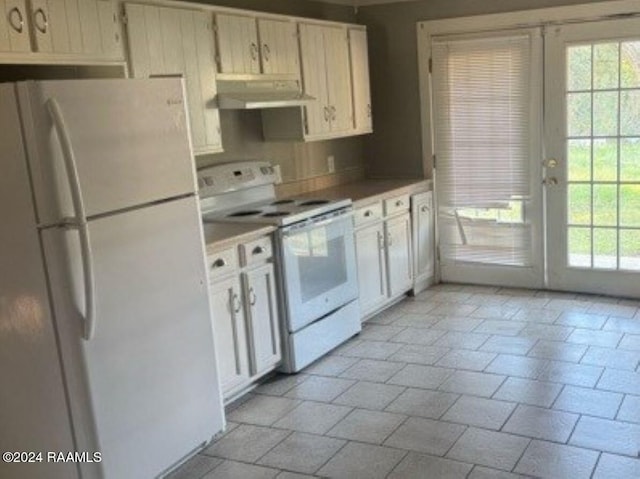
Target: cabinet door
x=423, y=237
x=372, y=274
x=338, y=78
x=168, y=41
x=90, y=27
x=278, y=47
x=238, y=44
x=230, y=334
x=111, y=38
x=262, y=316
x=399, y=259
x=360, y=80
x=14, y=28
x=314, y=79
x=40, y=26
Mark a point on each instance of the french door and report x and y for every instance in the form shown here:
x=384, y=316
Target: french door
x=592, y=158
x=532, y=198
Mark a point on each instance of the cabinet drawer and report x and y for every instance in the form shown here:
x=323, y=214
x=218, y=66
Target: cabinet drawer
x=397, y=204
x=256, y=251
x=222, y=262
x=368, y=214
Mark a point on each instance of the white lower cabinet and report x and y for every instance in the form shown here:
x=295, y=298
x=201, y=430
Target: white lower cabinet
x=423, y=240
x=262, y=318
x=372, y=270
x=230, y=333
x=245, y=314
x=384, y=254
x=399, y=258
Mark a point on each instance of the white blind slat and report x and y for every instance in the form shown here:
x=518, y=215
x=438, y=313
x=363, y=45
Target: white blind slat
x=482, y=93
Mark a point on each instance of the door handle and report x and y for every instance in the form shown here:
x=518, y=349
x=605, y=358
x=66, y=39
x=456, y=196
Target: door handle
x=326, y=113
x=550, y=163
x=80, y=220
x=266, y=52
x=252, y=297
x=237, y=305
x=43, y=24
x=254, y=51
x=14, y=14
x=551, y=181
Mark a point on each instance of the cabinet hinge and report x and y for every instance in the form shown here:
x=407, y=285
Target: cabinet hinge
x=430, y=65
x=438, y=253
x=305, y=122
x=435, y=158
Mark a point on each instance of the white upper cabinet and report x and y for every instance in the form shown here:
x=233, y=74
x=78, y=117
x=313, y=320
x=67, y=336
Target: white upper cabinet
x=256, y=46
x=238, y=50
x=360, y=80
x=51, y=31
x=172, y=41
x=278, y=47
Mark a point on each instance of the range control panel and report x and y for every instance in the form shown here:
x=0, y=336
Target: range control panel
x=227, y=177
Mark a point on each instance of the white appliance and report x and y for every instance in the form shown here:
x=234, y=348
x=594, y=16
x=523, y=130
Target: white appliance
x=106, y=341
x=315, y=255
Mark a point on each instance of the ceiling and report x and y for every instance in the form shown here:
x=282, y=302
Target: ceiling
x=361, y=3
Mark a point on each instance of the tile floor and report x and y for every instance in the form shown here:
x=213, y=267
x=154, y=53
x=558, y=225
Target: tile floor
x=459, y=382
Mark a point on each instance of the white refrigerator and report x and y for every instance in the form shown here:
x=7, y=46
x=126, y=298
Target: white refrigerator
x=106, y=341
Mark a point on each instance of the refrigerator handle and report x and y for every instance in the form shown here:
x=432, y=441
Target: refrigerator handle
x=80, y=219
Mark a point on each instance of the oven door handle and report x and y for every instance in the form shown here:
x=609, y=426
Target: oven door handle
x=318, y=222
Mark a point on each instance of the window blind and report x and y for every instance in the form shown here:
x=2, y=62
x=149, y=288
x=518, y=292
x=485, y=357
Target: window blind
x=482, y=99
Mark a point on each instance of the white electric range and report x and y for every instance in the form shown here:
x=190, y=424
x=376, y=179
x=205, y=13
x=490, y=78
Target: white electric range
x=315, y=255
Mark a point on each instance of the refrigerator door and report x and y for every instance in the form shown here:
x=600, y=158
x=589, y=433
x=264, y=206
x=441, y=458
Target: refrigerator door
x=33, y=412
x=129, y=139
x=145, y=388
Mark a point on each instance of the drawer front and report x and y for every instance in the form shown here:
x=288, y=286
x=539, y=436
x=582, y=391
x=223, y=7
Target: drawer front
x=397, y=204
x=256, y=251
x=222, y=262
x=368, y=214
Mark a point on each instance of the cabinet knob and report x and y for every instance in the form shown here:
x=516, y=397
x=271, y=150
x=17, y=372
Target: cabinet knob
x=399, y=203
x=16, y=20
x=258, y=250
x=40, y=20
x=424, y=209
x=219, y=263
x=237, y=305
x=266, y=52
x=368, y=213
x=253, y=49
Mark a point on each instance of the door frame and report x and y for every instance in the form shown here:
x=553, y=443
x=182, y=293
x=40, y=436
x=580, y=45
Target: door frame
x=542, y=18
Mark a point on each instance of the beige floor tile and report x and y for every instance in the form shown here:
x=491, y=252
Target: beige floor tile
x=419, y=354
x=263, y=410
x=508, y=345
x=527, y=391
x=302, y=452
x=367, y=426
x=618, y=467
x=420, y=466
x=501, y=327
x=313, y=417
x=519, y=366
x=362, y=461
x=605, y=435
x=581, y=320
x=319, y=388
x=558, y=350
x=630, y=409
x=549, y=460
x=246, y=443
x=372, y=370
x=465, y=359
x=236, y=470
x=195, y=468
x=331, y=366
x=588, y=401
x=477, y=384
x=540, y=423
x=488, y=448
x=423, y=403
x=369, y=395
x=612, y=358
x=620, y=381
x=425, y=435
x=480, y=412
x=571, y=373
x=415, y=375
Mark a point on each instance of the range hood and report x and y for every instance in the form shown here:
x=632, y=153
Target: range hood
x=250, y=95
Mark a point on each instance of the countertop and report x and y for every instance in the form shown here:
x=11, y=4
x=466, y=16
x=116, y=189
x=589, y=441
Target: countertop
x=220, y=235
x=363, y=192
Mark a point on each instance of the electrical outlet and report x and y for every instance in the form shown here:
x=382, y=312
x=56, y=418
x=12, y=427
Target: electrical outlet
x=331, y=164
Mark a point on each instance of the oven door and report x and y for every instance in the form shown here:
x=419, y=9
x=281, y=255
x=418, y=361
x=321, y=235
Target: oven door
x=318, y=267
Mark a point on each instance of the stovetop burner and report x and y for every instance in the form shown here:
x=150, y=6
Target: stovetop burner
x=275, y=214
x=314, y=203
x=244, y=213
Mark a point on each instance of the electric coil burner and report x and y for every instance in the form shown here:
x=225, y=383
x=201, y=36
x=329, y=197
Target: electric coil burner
x=315, y=255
